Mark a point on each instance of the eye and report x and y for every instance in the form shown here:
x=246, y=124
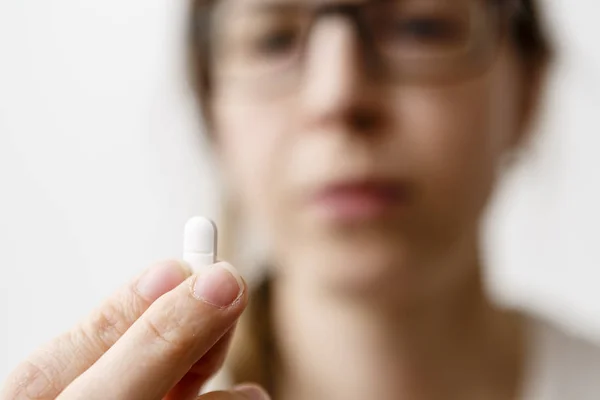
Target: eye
x=277, y=41
x=426, y=28
x=429, y=30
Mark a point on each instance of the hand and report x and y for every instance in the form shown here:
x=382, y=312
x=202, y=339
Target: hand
x=160, y=337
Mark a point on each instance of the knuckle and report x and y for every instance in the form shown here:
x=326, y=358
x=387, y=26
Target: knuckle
x=107, y=325
x=170, y=332
x=32, y=380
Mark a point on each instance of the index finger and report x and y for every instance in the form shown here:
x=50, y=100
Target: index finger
x=167, y=340
x=53, y=367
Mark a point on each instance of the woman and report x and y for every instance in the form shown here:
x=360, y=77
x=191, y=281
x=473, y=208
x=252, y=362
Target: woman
x=363, y=139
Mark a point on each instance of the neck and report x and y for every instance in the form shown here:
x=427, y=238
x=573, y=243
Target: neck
x=454, y=345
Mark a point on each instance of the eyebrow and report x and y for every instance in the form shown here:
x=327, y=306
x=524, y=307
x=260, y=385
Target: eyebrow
x=275, y=5
x=268, y=5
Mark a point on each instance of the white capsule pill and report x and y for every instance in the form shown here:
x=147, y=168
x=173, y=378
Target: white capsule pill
x=200, y=243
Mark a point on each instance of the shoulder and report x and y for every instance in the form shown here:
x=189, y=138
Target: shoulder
x=566, y=344
x=563, y=363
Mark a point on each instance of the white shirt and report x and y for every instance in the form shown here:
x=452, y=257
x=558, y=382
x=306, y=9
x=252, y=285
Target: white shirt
x=559, y=366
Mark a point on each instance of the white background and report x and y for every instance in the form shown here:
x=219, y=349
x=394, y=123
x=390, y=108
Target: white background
x=101, y=163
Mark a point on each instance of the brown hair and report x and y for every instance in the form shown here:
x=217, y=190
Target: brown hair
x=253, y=357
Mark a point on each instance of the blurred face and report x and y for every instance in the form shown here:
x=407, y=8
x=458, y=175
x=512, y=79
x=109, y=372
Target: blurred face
x=365, y=136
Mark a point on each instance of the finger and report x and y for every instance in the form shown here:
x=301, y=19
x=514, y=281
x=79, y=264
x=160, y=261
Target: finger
x=167, y=340
x=212, y=361
x=242, y=392
x=187, y=388
x=53, y=367
x=202, y=371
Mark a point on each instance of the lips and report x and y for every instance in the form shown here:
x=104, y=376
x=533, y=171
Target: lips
x=360, y=200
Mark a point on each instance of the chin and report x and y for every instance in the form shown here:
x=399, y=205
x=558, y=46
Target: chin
x=380, y=259
x=376, y=271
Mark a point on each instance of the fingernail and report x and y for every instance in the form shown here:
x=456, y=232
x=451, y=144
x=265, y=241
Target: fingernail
x=252, y=392
x=161, y=279
x=220, y=285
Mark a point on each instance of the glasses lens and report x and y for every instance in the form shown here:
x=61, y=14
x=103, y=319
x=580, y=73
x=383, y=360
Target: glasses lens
x=259, y=40
x=433, y=39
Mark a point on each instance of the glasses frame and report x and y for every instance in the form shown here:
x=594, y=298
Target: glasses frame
x=503, y=13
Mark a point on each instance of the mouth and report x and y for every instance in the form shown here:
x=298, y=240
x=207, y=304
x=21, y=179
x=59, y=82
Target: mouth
x=355, y=201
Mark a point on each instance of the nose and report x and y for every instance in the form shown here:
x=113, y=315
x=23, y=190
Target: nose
x=338, y=88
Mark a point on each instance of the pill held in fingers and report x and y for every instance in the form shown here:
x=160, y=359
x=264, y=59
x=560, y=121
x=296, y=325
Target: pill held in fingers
x=200, y=243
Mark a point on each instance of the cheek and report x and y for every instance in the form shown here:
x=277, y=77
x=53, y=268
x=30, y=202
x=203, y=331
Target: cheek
x=456, y=138
x=251, y=142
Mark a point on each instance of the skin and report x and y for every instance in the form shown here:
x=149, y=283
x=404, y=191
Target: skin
x=404, y=292
x=446, y=142
x=158, y=325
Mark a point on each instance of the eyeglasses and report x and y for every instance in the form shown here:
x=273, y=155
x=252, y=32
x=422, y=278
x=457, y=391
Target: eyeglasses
x=263, y=44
